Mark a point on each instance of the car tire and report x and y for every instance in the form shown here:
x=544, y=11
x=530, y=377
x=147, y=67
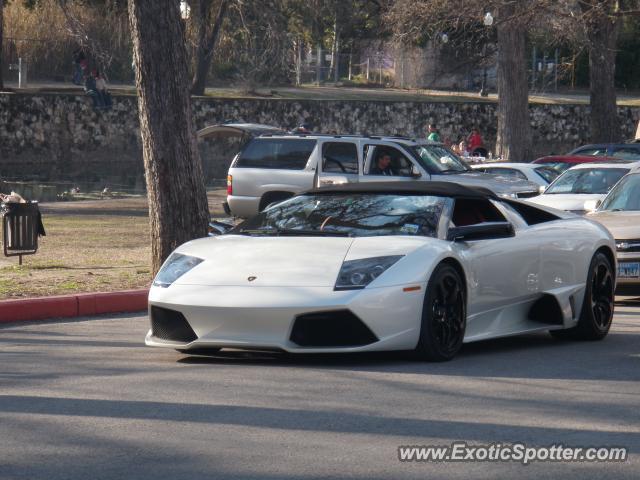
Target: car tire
x=597, y=308
x=273, y=197
x=444, y=316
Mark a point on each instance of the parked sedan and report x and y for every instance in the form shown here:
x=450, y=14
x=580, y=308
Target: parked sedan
x=387, y=266
x=620, y=213
x=627, y=151
x=541, y=175
x=565, y=162
x=583, y=183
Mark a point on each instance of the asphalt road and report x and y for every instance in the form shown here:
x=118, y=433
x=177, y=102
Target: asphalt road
x=87, y=400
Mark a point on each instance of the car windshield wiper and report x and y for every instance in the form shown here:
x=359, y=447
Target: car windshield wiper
x=253, y=231
x=319, y=233
x=292, y=232
x=451, y=170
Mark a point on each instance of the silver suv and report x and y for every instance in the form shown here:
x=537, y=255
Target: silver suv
x=274, y=167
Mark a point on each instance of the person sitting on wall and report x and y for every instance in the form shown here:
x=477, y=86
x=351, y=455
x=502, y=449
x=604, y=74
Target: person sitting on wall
x=91, y=90
x=476, y=144
x=101, y=88
x=463, y=151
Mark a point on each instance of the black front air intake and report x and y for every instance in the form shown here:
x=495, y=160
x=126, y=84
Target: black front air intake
x=171, y=325
x=338, y=328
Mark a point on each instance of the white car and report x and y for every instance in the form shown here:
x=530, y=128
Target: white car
x=579, y=189
x=388, y=266
x=541, y=175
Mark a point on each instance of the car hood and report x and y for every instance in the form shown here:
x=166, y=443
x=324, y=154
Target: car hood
x=230, y=260
x=622, y=225
x=496, y=183
x=573, y=202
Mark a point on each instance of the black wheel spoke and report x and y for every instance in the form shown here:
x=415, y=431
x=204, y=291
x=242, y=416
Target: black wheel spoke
x=448, y=312
x=602, y=296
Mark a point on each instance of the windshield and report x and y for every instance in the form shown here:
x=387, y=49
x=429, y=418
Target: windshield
x=439, y=159
x=356, y=215
x=587, y=180
x=547, y=173
x=625, y=195
x=559, y=166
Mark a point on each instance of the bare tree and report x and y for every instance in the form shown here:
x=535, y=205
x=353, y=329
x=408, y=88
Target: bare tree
x=1, y=49
x=514, y=139
x=207, y=36
x=594, y=25
x=602, y=27
x=81, y=33
x=178, y=209
x=416, y=21
x=262, y=42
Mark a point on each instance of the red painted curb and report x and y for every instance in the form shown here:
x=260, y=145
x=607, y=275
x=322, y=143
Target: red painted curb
x=67, y=306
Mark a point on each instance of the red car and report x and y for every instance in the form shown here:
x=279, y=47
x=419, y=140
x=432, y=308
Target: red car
x=564, y=162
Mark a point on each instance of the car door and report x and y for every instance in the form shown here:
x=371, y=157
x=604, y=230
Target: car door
x=340, y=162
x=403, y=167
x=502, y=273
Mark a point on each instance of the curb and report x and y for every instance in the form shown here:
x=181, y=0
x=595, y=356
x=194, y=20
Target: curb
x=68, y=306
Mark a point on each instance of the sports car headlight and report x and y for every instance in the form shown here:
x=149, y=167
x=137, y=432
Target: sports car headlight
x=175, y=266
x=356, y=274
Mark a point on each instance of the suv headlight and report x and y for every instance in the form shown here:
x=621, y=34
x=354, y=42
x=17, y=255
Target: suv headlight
x=176, y=265
x=356, y=274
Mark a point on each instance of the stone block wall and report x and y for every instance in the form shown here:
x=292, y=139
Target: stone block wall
x=50, y=137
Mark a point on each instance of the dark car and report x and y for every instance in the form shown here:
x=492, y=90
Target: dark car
x=628, y=151
x=564, y=162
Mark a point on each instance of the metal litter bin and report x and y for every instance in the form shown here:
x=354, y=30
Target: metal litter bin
x=21, y=226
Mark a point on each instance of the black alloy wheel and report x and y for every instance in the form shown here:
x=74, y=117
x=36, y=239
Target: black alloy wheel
x=444, y=315
x=597, y=308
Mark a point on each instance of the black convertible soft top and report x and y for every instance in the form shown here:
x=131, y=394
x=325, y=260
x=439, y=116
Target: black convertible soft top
x=439, y=189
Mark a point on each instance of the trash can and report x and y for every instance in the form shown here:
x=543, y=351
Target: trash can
x=21, y=226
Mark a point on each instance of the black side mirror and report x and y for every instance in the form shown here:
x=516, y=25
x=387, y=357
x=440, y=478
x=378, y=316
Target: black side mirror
x=481, y=231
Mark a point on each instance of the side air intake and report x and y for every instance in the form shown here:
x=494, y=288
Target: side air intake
x=171, y=325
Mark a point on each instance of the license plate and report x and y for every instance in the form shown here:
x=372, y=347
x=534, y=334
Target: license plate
x=629, y=270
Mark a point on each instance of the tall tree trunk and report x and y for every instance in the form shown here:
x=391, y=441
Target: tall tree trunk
x=334, y=45
x=603, y=34
x=1, y=50
x=206, y=43
x=178, y=209
x=514, y=139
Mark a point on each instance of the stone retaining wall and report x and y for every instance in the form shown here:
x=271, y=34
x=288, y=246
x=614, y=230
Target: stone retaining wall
x=62, y=137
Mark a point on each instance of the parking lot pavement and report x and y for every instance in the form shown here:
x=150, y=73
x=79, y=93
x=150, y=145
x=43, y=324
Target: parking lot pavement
x=87, y=399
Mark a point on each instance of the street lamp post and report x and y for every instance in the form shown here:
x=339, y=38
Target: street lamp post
x=488, y=21
x=185, y=10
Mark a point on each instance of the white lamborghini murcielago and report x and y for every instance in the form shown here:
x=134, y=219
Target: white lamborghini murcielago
x=422, y=266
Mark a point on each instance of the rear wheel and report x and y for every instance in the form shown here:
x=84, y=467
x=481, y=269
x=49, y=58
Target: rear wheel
x=444, y=316
x=597, y=307
x=273, y=197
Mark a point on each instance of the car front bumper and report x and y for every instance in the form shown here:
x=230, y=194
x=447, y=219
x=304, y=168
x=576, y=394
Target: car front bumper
x=264, y=317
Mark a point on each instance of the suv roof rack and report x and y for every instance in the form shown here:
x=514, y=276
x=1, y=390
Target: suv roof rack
x=339, y=135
